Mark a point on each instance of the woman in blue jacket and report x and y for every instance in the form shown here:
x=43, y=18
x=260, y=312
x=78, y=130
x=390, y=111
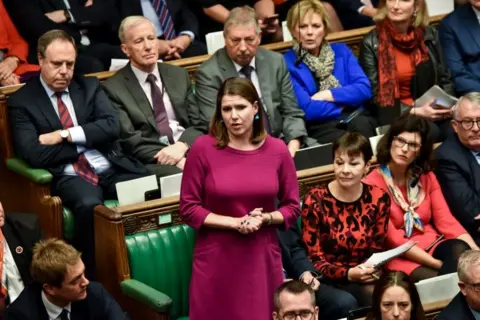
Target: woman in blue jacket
x=328, y=81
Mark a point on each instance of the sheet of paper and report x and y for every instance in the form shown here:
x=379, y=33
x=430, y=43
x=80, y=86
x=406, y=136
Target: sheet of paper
x=438, y=288
x=380, y=258
x=170, y=185
x=133, y=191
x=437, y=7
x=442, y=98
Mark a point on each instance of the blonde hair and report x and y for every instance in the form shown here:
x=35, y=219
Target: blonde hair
x=50, y=260
x=421, y=20
x=298, y=12
x=241, y=16
x=130, y=22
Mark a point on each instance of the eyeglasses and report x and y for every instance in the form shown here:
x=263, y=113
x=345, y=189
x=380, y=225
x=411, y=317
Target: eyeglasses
x=468, y=124
x=294, y=315
x=400, y=142
x=475, y=286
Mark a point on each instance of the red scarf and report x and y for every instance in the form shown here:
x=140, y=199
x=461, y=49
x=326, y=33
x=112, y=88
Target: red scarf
x=388, y=38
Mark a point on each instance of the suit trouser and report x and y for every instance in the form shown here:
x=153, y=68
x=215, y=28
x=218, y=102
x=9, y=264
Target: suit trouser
x=82, y=197
x=334, y=303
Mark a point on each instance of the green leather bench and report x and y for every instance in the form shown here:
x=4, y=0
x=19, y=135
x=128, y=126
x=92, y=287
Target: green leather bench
x=160, y=268
x=41, y=176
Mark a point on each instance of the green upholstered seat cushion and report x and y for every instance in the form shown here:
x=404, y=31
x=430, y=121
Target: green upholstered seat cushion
x=148, y=296
x=19, y=166
x=183, y=318
x=162, y=259
x=69, y=221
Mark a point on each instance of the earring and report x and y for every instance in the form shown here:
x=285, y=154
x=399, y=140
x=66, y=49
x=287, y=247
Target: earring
x=221, y=121
x=256, y=117
x=414, y=15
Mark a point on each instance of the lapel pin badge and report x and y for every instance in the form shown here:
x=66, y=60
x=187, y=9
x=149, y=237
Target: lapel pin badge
x=19, y=250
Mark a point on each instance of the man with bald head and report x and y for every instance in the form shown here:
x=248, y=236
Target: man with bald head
x=458, y=160
x=154, y=102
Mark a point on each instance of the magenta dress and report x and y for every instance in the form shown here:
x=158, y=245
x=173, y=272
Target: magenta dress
x=234, y=276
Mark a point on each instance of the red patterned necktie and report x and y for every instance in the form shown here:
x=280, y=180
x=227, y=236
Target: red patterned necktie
x=81, y=166
x=165, y=18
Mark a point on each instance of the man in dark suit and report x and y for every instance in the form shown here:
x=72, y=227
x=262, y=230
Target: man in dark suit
x=93, y=25
x=242, y=57
x=61, y=290
x=138, y=108
x=176, y=26
x=459, y=35
x=20, y=232
x=466, y=304
x=458, y=164
x=69, y=127
x=332, y=302
x=355, y=13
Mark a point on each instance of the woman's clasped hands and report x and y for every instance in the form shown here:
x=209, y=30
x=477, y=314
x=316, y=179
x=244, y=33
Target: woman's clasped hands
x=251, y=222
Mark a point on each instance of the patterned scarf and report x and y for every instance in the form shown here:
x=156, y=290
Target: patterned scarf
x=415, y=194
x=388, y=39
x=321, y=66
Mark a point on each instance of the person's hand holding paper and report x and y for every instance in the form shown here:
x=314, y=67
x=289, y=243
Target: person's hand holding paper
x=431, y=110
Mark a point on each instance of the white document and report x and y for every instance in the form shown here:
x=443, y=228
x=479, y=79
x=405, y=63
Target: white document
x=380, y=258
x=438, y=288
x=133, y=191
x=437, y=7
x=170, y=185
x=374, y=142
x=443, y=99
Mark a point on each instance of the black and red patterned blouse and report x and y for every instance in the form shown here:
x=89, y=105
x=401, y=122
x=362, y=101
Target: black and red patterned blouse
x=341, y=235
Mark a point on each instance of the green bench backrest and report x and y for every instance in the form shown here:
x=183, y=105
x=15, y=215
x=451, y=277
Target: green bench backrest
x=162, y=259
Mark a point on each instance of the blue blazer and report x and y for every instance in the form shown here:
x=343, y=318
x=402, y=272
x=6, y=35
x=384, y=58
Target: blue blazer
x=459, y=34
x=354, y=91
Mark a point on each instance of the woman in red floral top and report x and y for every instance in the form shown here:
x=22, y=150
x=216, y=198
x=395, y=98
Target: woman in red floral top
x=346, y=221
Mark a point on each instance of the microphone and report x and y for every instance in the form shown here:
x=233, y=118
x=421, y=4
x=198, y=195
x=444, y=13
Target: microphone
x=302, y=55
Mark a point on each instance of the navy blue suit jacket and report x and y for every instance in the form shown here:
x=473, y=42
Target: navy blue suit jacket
x=460, y=38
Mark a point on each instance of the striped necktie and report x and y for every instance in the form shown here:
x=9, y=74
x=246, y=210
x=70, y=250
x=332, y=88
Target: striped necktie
x=165, y=18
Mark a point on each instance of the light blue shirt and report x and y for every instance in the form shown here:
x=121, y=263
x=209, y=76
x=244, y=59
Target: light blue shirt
x=476, y=314
x=476, y=155
x=53, y=310
x=150, y=13
x=96, y=160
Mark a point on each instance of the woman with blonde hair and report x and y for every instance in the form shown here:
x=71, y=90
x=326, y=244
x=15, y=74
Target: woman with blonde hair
x=328, y=81
x=402, y=58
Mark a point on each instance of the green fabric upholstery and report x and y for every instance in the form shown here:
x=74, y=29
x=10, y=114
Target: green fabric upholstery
x=299, y=223
x=147, y=295
x=183, y=318
x=19, y=166
x=69, y=220
x=162, y=259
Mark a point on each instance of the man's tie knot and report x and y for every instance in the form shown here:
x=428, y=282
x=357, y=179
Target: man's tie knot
x=64, y=315
x=151, y=78
x=247, y=72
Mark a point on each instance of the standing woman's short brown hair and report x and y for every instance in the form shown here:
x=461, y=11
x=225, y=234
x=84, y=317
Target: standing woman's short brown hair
x=237, y=87
x=396, y=279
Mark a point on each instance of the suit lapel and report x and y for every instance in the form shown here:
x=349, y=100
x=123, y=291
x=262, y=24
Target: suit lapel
x=17, y=250
x=228, y=69
x=471, y=24
x=138, y=94
x=262, y=69
x=44, y=104
x=175, y=97
x=78, y=101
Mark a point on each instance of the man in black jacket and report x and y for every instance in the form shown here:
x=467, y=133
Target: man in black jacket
x=91, y=23
x=458, y=164
x=69, y=127
x=466, y=304
x=332, y=302
x=61, y=291
x=355, y=13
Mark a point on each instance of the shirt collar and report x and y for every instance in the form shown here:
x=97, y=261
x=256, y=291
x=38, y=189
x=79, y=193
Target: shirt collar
x=476, y=314
x=142, y=75
x=49, y=91
x=53, y=311
x=239, y=67
x=477, y=12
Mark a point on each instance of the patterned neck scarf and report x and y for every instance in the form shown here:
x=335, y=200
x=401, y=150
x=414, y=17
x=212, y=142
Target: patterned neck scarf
x=321, y=66
x=388, y=38
x=415, y=195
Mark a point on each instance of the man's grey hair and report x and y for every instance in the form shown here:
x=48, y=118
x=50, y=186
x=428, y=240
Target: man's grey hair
x=468, y=259
x=241, y=16
x=130, y=22
x=473, y=97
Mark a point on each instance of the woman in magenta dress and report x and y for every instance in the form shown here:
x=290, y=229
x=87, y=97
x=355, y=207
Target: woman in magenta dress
x=231, y=183
x=418, y=209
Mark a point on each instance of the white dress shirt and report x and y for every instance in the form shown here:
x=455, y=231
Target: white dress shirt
x=477, y=13
x=54, y=311
x=174, y=125
x=11, y=276
x=96, y=160
x=253, y=77
x=149, y=12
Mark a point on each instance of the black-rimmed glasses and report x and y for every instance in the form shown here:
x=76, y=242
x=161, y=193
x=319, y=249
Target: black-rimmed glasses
x=475, y=286
x=400, y=142
x=295, y=315
x=468, y=124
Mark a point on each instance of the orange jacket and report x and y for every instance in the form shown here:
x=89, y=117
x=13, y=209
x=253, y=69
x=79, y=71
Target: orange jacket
x=13, y=43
